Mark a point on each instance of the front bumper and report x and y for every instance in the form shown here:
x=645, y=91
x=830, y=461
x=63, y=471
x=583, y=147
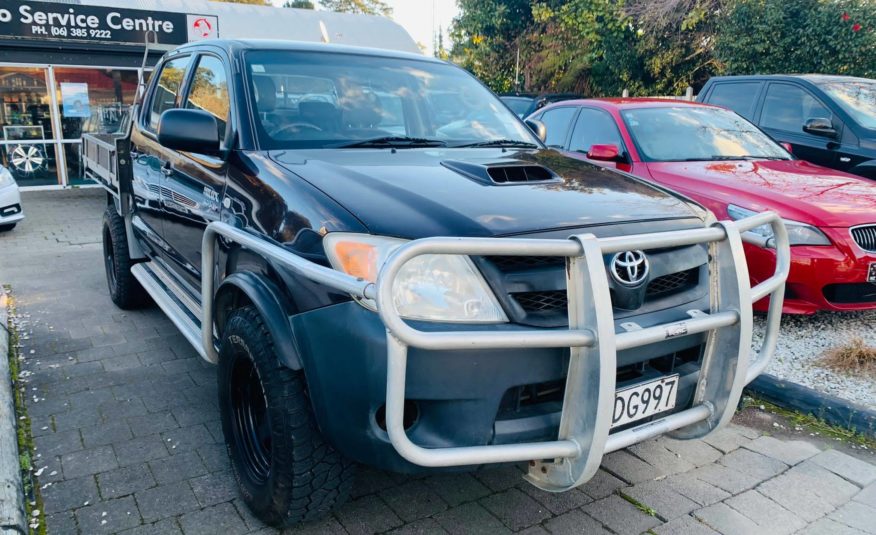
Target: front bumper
x=594, y=347
x=10, y=205
x=830, y=277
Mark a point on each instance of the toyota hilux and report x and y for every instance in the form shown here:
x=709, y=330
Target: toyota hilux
x=388, y=267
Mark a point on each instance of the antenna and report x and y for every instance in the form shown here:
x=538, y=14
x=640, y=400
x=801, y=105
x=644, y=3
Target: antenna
x=141, y=76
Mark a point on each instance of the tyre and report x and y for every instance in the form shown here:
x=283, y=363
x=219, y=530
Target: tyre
x=125, y=291
x=8, y=227
x=287, y=473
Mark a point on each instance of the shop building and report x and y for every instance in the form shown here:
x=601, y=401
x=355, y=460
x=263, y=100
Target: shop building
x=72, y=67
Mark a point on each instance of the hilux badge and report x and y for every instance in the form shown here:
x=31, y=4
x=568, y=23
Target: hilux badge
x=630, y=268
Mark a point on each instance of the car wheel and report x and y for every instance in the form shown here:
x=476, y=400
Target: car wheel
x=125, y=291
x=7, y=228
x=287, y=473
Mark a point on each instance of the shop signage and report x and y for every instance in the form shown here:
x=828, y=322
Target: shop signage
x=73, y=22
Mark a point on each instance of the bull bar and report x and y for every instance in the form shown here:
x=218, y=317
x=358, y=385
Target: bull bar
x=585, y=421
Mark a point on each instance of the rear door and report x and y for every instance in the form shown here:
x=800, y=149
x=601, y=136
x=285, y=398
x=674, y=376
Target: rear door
x=194, y=184
x=150, y=160
x=741, y=97
x=786, y=108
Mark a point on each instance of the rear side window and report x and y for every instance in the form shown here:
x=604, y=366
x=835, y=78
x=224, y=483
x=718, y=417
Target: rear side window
x=594, y=127
x=209, y=91
x=557, y=122
x=787, y=107
x=164, y=98
x=738, y=96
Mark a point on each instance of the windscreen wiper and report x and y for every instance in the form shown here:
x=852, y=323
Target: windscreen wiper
x=746, y=157
x=500, y=143
x=393, y=142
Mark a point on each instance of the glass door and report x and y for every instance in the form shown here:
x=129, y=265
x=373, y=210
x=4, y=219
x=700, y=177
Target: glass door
x=26, y=127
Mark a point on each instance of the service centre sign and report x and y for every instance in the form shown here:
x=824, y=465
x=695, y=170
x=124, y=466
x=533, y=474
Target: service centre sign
x=48, y=21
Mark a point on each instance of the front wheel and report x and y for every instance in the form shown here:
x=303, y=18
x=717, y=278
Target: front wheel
x=286, y=471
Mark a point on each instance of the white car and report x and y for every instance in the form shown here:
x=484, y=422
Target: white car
x=10, y=201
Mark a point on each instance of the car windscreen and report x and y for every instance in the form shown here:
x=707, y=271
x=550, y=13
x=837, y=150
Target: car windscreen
x=689, y=133
x=323, y=100
x=519, y=105
x=857, y=98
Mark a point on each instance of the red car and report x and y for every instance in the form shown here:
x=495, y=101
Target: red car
x=727, y=164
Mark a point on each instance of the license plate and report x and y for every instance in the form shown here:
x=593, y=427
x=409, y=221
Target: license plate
x=871, y=273
x=642, y=400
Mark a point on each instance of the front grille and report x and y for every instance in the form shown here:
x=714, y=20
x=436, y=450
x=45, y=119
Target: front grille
x=865, y=237
x=519, y=398
x=542, y=301
x=672, y=283
x=855, y=293
x=557, y=300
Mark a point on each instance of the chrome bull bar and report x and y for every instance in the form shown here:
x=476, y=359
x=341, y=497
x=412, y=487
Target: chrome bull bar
x=585, y=422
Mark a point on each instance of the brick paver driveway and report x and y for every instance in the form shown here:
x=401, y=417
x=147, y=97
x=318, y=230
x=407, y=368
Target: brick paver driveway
x=128, y=435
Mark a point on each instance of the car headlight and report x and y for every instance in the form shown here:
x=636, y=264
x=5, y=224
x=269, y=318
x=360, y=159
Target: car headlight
x=5, y=177
x=798, y=233
x=429, y=287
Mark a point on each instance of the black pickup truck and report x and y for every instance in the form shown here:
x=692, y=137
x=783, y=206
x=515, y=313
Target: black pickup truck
x=390, y=268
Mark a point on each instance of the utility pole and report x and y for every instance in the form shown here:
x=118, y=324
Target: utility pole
x=517, y=72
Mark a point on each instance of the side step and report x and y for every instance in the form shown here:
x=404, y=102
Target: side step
x=154, y=283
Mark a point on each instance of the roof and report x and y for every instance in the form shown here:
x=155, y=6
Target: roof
x=813, y=78
x=627, y=103
x=244, y=21
x=303, y=46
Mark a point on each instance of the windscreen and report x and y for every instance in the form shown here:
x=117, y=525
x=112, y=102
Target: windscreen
x=689, y=133
x=858, y=98
x=325, y=100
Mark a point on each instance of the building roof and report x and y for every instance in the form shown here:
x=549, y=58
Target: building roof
x=246, y=21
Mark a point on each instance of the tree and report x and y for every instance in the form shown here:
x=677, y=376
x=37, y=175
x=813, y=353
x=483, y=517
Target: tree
x=798, y=36
x=439, y=51
x=367, y=7
x=300, y=4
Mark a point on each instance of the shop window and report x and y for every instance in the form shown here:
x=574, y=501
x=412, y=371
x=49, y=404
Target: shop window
x=26, y=123
x=164, y=96
x=209, y=91
x=94, y=101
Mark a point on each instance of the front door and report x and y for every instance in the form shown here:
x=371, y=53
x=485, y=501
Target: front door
x=597, y=127
x=786, y=108
x=194, y=184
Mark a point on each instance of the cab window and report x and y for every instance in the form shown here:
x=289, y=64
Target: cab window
x=168, y=86
x=557, y=121
x=209, y=91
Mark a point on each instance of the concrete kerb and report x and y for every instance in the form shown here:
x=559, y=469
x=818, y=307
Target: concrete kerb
x=831, y=409
x=12, y=515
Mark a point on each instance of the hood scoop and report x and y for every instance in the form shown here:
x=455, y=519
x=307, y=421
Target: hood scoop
x=504, y=173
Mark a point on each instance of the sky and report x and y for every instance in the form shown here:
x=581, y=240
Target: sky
x=419, y=17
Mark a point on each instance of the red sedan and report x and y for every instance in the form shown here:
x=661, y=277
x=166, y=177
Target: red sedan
x=721, y=160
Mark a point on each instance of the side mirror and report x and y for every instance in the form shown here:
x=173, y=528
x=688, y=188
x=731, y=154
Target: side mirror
x=189, y=131
x=819, y=126
x=787, y=146
x=538, y=128
x=604, y=153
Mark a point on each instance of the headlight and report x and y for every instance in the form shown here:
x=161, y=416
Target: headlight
x=429, y=287
x=798, y=233
x=5, y=177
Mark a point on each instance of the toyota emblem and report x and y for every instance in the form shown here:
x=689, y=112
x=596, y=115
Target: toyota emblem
x=630, y=268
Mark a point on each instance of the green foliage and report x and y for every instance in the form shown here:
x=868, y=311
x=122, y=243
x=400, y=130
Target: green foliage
x=653, y=47
x=798, y=36
x=367, y=7
x=300, y=4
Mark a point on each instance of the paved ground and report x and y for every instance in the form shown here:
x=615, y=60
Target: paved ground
x=128, y=437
